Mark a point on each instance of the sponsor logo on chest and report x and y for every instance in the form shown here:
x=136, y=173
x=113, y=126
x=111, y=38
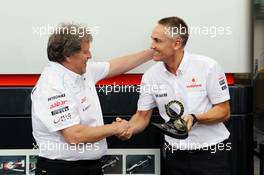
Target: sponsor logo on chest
x=62, y=118
x=161, y=95
x=59, y=111
x=194, y=83
x=56, y=97
x=57, y=104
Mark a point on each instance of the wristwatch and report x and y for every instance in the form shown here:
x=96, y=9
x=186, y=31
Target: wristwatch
x=194, y=118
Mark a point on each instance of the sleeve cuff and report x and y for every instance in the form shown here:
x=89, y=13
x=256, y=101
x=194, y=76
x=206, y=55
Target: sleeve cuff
x=64, y=126
x=107, y=69
x=220, y=99
x=146, y=108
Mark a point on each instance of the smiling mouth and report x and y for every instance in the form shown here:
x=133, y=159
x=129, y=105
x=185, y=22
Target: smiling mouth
x=156, y=53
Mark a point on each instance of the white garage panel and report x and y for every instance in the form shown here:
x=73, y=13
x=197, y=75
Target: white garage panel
x=219, y=29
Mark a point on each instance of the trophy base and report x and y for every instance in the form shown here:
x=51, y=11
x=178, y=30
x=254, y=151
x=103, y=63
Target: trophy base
x=170, y=130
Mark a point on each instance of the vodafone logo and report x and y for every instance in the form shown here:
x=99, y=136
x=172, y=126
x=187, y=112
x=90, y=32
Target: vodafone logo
x=194, y=83
x=57, y=104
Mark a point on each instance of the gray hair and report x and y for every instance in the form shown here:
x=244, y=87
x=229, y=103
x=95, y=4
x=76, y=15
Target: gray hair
x=66, y=40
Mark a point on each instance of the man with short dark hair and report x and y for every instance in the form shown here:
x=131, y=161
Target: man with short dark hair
x=66, y=114
x=196, y=85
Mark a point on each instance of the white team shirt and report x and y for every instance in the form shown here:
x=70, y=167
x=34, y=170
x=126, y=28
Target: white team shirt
x=198, y=84
x=62, y=98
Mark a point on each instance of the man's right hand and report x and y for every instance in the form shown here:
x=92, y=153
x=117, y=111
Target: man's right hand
x=127, y=134
x=120, y=126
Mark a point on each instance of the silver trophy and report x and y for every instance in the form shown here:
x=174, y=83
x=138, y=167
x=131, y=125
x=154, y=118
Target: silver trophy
x=176, y=127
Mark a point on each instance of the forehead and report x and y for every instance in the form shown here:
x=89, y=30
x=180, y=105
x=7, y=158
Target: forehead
x=85, y=45
x=159, y=32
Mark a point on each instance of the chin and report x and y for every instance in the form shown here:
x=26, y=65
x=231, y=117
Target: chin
x=83, y=72
x=157, y=59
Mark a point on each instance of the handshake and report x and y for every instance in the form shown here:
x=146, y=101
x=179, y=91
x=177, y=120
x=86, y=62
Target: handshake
x=122, y=129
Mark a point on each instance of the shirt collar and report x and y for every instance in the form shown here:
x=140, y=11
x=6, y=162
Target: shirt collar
x=182, y=67
x=72, y=75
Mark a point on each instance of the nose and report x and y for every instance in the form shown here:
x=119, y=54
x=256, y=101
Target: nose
x=153, y=45
x=89, y=55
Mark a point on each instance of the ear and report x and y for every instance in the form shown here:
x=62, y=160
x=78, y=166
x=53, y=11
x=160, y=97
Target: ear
x=67, y=59
x=177, y=43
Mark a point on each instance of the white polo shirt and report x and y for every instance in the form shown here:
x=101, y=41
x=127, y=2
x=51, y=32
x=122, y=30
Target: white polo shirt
x=198, y=84
x=62, y=98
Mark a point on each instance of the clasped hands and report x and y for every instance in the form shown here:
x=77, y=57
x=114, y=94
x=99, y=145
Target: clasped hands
x=123, y=129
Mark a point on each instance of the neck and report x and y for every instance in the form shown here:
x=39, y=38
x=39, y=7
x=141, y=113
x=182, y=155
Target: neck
x=172, y=64
x=70, y=67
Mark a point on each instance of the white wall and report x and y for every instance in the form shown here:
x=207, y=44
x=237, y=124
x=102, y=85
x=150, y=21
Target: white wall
x=259, y=42
x=124, y=26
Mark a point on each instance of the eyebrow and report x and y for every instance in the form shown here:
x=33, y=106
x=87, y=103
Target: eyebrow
x=155, y=38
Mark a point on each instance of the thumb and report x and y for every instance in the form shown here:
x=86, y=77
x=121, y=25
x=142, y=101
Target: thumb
x=189, y=125
x=185, y=119
x=118, y=119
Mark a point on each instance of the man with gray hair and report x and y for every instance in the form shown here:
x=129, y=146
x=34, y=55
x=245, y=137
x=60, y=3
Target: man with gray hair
x=66, y=114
